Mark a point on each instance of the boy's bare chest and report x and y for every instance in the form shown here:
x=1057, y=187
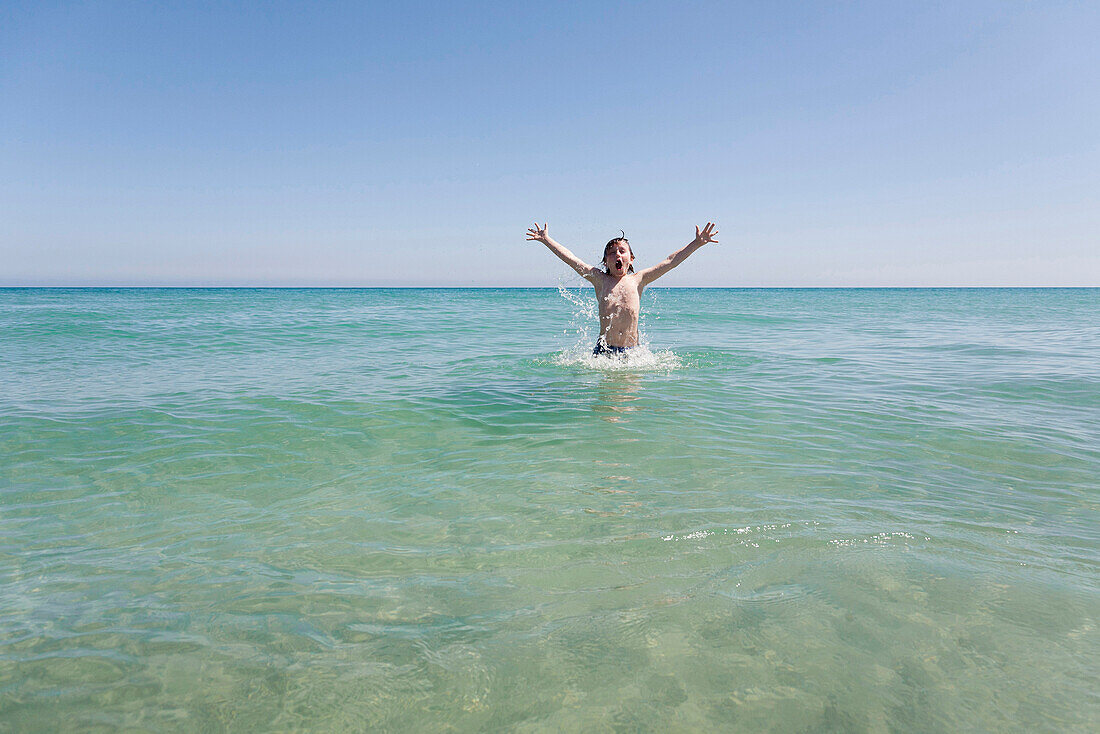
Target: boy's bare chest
x=622, y=296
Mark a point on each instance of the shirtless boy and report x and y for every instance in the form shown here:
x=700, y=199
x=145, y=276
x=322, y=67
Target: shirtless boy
x=618, y=287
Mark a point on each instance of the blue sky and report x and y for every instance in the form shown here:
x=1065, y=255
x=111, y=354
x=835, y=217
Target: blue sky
x=846, y=144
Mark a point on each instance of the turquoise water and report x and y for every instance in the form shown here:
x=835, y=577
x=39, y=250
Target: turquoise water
x=429, y=510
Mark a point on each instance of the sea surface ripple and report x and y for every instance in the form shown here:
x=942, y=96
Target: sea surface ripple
x=431, y=510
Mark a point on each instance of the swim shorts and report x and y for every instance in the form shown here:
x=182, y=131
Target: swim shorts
x=603, y=347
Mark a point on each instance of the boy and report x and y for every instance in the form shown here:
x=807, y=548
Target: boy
x=618, y=287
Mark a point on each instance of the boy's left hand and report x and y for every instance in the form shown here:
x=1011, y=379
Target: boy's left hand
x=709, y=234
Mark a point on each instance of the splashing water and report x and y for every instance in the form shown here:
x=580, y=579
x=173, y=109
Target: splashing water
x=582, y=322
x=639, y=359
x=586, y=312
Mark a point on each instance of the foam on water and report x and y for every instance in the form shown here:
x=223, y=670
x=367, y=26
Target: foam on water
x=639, y=359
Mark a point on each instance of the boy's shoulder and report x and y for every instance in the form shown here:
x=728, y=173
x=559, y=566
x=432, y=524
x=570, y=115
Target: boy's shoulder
x=598, y=276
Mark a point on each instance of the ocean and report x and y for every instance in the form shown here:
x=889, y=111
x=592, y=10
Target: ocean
x=432, y=510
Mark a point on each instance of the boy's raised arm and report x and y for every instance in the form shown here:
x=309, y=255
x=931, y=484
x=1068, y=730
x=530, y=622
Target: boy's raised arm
x=538, y=234
x=707, y=234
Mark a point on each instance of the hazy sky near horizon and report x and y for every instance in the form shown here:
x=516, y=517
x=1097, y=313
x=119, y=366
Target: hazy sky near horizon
x=835, y=144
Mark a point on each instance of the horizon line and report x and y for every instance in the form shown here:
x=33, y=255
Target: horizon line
x=540, y=287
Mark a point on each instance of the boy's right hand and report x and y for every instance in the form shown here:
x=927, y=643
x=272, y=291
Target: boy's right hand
x=537, y=234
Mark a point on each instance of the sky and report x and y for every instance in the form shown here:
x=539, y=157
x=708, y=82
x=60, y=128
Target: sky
x=412, y=144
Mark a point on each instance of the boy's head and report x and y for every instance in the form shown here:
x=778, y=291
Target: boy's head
x=618, y=259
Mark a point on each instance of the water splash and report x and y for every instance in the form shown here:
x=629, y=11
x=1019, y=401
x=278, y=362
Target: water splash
x=585, y=315
x=583, y=326
x=638, y=359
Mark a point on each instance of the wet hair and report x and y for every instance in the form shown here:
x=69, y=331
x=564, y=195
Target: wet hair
x=612, y=243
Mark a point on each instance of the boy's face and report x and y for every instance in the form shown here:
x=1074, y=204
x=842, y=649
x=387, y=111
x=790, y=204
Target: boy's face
x=618, y=259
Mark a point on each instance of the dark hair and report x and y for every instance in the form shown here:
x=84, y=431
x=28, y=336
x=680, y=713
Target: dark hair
x=612, y=243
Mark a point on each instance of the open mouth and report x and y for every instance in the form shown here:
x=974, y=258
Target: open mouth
x=618, y=264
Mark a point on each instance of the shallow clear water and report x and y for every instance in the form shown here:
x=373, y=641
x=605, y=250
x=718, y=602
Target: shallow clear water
x=426, y=510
